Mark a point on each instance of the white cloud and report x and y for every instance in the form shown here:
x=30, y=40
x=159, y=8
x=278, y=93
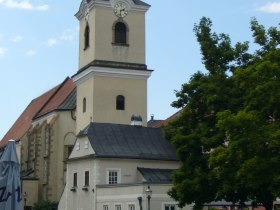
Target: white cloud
x=25, y=5
x=271, y=7
x=51, y=42
x=43, y=7
x=69, y=35
x=30, y=53
x=17, y=39
x=2, y=51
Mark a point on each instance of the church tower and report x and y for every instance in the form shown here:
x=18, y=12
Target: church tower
x=112, y=76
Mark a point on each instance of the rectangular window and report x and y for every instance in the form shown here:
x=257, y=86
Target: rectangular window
x=118, y=207
x=105, y=207
x=86, y=178
x=131, y=207
x=113, y=177
x=169, y=207
x=75, y=179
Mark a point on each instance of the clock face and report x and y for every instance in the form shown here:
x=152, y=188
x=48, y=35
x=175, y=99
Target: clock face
x=120, y=10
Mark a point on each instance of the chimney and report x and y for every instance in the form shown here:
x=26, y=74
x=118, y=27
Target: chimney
x=136, y=120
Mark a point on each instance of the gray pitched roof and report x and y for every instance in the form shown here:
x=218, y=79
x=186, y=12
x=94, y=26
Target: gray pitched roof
x=126, y=141
x=140, y=3
x=70, y=102
x=153, y=175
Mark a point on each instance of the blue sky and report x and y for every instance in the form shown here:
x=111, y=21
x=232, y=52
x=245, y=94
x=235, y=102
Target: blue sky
x=39, y=46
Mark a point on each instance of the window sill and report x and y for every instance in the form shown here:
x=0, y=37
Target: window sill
x=73, y=189
x=86, y=48
x=85, y=188
x=120, y=44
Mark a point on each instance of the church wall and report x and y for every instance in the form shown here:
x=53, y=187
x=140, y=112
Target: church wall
x=63, y=128
x=43, y=151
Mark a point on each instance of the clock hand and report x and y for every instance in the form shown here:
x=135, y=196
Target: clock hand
x=121, y=11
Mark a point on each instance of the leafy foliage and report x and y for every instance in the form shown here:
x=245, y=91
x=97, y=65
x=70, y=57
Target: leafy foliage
x=227, y=137
x=45, y=205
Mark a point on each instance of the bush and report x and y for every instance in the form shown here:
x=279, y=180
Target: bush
x=45, y=205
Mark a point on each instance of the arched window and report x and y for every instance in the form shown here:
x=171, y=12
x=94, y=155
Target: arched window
x=84, y=105
x=86, y=37
x=120, y=102
x=120, y=31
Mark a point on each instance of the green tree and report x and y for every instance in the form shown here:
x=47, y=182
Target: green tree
x=45, y=205
x=227, y=137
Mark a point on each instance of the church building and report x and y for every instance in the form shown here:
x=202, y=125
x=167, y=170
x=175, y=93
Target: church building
x=116, y=159
x=86, y=143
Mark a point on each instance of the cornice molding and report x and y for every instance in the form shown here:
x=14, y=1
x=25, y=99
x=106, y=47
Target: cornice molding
x=110, y=72
x=108, y=4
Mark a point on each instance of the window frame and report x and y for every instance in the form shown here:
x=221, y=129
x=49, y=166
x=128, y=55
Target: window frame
x=118, y=171
x=105, y=207
x=75, y=179
x=118, y=205
x=84, y=105
x=169, y=204
x=87, y=37
x=120, y=41
x=131, y=204
x=87, y=178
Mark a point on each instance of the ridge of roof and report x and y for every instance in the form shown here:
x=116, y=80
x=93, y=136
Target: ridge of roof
x=24, y=121
x=57, y=98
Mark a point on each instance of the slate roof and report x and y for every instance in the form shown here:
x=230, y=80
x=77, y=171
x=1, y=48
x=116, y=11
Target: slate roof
x=140, y=3
x=130, y=142
x=70, y=101
x=39, y=106
x=153, y=175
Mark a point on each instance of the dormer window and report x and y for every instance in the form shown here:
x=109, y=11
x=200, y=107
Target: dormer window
x=120, y=31
x=86, y=37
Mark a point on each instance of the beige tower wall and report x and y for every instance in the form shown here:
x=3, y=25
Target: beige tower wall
x=101, y=92
x=101, y=21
